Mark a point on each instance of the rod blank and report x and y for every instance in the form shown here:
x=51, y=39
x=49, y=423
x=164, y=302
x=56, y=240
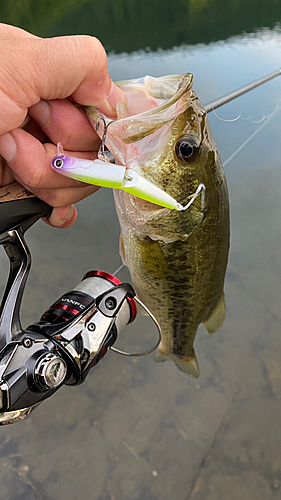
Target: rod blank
x=237, y=93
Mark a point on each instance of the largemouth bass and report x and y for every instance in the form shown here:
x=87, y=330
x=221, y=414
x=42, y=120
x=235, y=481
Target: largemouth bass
x=177, y=260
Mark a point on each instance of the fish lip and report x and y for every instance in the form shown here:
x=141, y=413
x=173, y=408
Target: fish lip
x=188, y=77
x=173, y=99
x=135, y=127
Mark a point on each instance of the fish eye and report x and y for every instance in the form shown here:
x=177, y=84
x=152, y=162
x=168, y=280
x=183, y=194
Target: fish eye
x=58, y=163
x=187, y=149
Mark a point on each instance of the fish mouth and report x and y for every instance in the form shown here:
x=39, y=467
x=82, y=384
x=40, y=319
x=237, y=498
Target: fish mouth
x=143, y=128
x=165, y=91
x=151, y=103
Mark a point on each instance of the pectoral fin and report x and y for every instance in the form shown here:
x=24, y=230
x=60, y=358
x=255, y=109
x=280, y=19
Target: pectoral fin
x=216, y=320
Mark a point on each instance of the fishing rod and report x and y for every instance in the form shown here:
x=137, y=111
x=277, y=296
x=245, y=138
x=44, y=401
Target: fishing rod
x=243, y=90
x=75, y=333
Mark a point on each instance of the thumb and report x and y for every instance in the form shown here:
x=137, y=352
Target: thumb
x=33, y=68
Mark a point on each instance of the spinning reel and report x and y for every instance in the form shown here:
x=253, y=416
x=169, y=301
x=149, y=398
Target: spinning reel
x=70, y=338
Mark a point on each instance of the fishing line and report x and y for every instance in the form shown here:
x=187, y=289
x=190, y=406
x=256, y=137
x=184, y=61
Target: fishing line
x=119, y=269
x=226, y=120
x=277, y=107
x=144, y=353
x=259, y=121
x=250, y=138
x=201, y=189
x=249, y=117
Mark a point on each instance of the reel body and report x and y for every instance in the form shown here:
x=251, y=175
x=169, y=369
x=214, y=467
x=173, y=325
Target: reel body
x=70, y=338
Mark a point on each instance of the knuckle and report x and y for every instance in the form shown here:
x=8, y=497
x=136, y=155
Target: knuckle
x=96, y=55
x=100, y=57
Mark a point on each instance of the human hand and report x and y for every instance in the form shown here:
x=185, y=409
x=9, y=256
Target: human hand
x=40, y=80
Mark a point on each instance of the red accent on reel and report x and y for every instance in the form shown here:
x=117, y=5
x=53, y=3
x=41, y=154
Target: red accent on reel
x=115, y=281
x=103, y=352
x=66, y=308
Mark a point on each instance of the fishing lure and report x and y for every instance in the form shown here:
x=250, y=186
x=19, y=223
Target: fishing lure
x=102, y=173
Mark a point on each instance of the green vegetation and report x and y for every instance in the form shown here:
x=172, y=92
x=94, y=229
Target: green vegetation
x=128, y=25
x=37, y=17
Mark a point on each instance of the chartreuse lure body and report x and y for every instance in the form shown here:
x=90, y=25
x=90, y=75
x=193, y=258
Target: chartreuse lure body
x=105, y=174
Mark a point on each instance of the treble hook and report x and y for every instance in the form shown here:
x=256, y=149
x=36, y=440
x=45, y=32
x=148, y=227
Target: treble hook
x=101, y=153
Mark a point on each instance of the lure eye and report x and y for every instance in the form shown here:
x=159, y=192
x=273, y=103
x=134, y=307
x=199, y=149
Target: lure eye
x=187, y=149
x=58, y=163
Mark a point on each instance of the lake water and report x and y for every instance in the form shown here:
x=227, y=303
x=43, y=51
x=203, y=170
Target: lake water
x=137, y=430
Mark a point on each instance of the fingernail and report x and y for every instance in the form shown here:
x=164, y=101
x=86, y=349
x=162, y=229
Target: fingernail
x=116, y=95
x=40, y=112
x=109, y=103
x=62, y=213
x=8, y=147
x=66, y=213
